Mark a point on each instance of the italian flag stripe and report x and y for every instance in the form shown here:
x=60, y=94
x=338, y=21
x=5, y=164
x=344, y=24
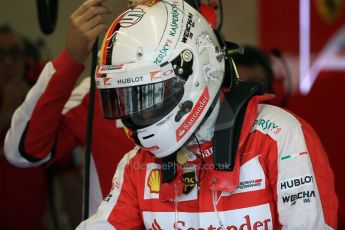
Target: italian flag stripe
x=286, y=157
x=293, y=155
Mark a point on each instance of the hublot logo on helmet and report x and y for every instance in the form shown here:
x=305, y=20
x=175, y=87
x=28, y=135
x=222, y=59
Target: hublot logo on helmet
x=129, y=80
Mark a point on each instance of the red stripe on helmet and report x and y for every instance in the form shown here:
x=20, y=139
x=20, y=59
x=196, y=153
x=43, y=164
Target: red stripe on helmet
x=106, y=45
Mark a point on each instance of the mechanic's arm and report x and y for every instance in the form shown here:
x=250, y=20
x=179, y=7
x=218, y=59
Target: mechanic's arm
x=303, y=182
x=38, y=129
x=120, y=209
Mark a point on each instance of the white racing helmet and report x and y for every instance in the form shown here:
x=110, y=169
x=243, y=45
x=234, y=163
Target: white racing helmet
x=160, y=69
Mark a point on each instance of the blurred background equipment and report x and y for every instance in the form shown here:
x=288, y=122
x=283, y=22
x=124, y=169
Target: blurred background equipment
x=47, y=15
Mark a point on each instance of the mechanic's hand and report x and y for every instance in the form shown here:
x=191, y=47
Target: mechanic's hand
x=86, y=23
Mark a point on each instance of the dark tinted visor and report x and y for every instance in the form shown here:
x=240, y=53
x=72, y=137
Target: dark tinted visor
x=143, y=102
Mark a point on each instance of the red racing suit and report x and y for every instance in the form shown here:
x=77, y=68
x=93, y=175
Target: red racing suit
x=282, y=180
x=52, y=122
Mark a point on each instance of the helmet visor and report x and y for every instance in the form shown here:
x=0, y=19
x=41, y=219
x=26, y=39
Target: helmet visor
x=139, y=102
x=136, y=100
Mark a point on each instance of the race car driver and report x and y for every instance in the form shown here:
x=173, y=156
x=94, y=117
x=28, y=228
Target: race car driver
x=52, y=120
x=161, y=68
